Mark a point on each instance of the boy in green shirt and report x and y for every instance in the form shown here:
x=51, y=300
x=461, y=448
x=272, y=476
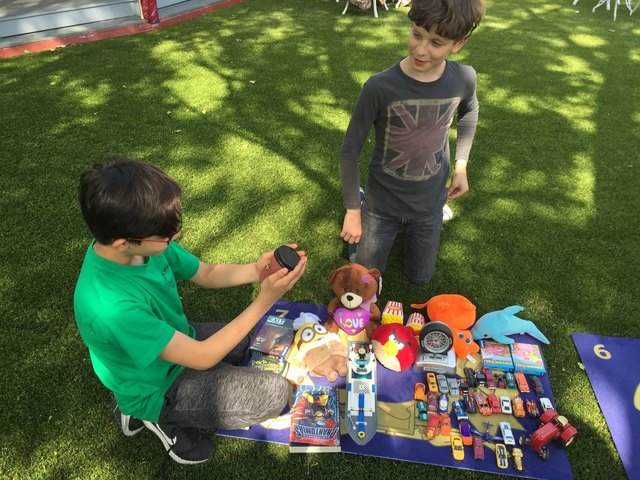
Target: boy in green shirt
x=167, y=374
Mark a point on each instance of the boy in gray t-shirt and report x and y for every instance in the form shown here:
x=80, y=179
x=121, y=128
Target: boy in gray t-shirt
x=411, y=107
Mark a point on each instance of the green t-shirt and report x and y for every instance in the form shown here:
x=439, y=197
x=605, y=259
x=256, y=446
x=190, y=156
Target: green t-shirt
x=126, y=315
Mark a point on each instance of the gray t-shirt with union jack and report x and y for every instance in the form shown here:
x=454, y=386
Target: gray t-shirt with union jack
x=409, y=167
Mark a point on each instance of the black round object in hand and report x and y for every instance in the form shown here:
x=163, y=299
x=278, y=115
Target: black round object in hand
x=287, y=257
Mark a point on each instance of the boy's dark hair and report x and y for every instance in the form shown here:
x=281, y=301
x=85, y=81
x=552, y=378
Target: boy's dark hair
x=129, y=199
x=452, y=19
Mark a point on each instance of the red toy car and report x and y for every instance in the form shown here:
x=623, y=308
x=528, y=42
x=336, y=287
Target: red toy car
x=482, y=403
x=532, y=408
x=489, y=378
x=431, y=431
x=478, y=448
x=552, y=427
x=494, y=403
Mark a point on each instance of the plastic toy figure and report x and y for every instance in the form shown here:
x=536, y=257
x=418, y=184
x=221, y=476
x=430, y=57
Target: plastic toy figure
x=517, y=455
x=552, y=427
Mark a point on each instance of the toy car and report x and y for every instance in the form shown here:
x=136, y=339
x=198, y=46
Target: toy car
x=443, y=403
x=433, y=424
x=456, y=447
x=457, y=407
x=501, y=381
x=419, y=392
x=505, y=405
x=501, y=456
x=478, y=448
x=481, y=402
x=453, y=387
x=532, y=408
x=494, y=403
x=432, y=383
x=481, y=379
x=432, y=402
x=470, y=374
x=464, y=388
x=443, y=385
x=518, y=406
x=445, y=425
x=545, y=403
x=537, y=385
x=436, y=337
x=507, y=433
x=511, y=380
x=521, y=380
x=470, y=404
x=421, y=407
x=490, y=379
x=517, y=455
x=552, y=427
x=465, y=432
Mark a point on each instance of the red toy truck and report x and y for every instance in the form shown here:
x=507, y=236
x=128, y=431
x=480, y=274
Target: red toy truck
x=552, y=427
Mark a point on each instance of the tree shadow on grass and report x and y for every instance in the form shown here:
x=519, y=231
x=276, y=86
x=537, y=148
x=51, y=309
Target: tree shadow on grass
x=223, y=103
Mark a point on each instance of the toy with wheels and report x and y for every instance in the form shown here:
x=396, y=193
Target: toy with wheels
x=552, y=427
x=436, y=337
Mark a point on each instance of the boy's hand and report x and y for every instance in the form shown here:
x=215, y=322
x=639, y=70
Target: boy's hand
x=459, y=184
x=352, y=226
x=279, y=283
x=266, y=256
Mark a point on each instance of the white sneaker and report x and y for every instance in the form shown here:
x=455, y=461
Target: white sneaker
x=447, y=214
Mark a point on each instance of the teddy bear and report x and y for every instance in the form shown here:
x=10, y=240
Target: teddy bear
x=315, y=351
x=353, y=314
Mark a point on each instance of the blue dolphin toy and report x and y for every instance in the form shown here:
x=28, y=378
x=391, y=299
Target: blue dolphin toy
x=499, y=324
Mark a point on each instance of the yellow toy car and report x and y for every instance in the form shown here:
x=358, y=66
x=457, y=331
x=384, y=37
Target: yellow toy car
x=456, y=447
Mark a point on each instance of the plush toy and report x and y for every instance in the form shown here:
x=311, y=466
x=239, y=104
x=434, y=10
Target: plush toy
x=395, y=346
x=453, y=309
x=354, y=314
x=499, y=324
x=316, y=351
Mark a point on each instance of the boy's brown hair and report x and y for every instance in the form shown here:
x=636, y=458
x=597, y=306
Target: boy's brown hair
x=452, y=19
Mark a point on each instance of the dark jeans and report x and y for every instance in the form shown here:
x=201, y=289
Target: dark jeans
x=421, y=242
x=225, y=396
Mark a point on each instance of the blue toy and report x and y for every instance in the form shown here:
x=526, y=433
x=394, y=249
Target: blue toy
x=498, y=325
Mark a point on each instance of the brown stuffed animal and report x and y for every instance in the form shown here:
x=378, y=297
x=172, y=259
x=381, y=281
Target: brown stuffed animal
x=354, y=314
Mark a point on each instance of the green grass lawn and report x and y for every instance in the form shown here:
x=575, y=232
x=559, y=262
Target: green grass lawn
x=246, y=108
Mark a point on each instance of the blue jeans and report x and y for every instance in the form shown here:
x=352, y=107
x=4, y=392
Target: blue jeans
x=421, y=242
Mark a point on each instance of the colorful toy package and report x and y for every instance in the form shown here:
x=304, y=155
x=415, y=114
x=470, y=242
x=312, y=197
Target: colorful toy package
x=315, y=420
x=496, y=355
x=527, y=358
